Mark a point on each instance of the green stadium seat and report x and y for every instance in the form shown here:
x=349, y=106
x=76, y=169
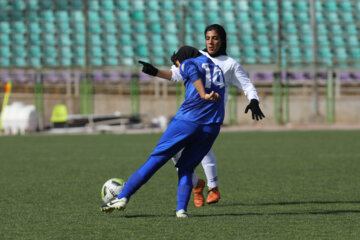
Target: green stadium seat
x=30, y=5
x=18, y=61
x=61, y=5
x=111, y=61
x=140, y=27
x=261, y=39
x=34, y=39
x=256, y=5
x=340, y=54
x=157, y=51
x=122, y=16
x=324, y=52
x=46, y=4
x=78, y=51
x=63, y=28
x=93, y=5
x=321, y=28
x=335, y=29
x=126, y=51
x=301, y=6
x=4, y=39
x=107, y=5
x=319, y=17
x=167, y=16
x=47, y=15
x=302, y=17
x=109, y=27
x=65, y=62
x=61, y=16
x=93, y=16
x=248, y=55
x=76, y=16
x=31, y=16
x=170, y=28
x=122, y=5
x=228, y=16
x=48, y=27
x=212, y=5
x=64, y=39
x=291, y=40
x=305, y=28
x=196, y=4
x=170, y=49
x=226, y=5
x=322, y=40
x=355, y=54
x=110, y=51
x=109, y=39
x=332, y=17
x=318, y=6
x=94, y=28
x=127, y=61
x=125, y=39
x=246, y=39
x=272, y=17
x=158, y=61
x=5, y=51
x=3, y=16
x=306, y=39
x=48, y=39
x=4, y=62
x=232, y=39
x=4, y=4
x=16, y=15
x=95, y=51
x=242, y=6
x=352, y=41
x=330, y=5
x=17, y=38
x=34, y=51
x=125, y=28
x=346, y=17
x=260, y=27
x=234, y=51
x=78, y=39
x=257, y=16
x=94, y=39
x=65, y=52
x=4, y=27
x=96, y=61
x=287, y=16
x=33, y=28
x=141, y=50
x=197, y=16
x=76, y=4
x=290, y=28
x=294, y=54
x=198, y=27
x=350, y=29
x=156, y=38
x=49, y=51
x=167, y=5
x=155, y=27
x=78, y=61
x=152, y=5
x=245, y=28
x=337, y=41
x=34, y=62
x=171, y=39
x=152, y=16
x=138, y=15
x=240, y=17
x=137, y=5
x=345, y=6
x=18, y=27
x=78, y=27
x=287, y=5
x=140, y=39
x=307, y=54
x=270, y=6
x=107, y=16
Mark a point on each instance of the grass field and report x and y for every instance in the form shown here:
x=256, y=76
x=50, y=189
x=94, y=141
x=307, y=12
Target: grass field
x=274, y=185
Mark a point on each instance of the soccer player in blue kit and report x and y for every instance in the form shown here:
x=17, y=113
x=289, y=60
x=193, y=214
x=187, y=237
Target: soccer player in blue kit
x=193, y=129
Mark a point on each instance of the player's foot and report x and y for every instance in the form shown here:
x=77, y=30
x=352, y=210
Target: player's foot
x=182, y=214
x=119, y=204
x=198, y=193
x=213, y=195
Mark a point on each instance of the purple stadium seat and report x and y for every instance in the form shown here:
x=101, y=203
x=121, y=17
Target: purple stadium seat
x=144, y=77
x=345, y=77
x=126, y=77
x=355, y=76
x=297, y=77
x=112, y=77
x=50, y=77
x=4, y=76
x=64, y=76
x=18, y=75
x=98, y=76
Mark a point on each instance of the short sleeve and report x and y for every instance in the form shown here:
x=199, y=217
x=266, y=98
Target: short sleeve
x=189, y=71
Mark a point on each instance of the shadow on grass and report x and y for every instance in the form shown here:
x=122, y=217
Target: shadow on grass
x=285, y=203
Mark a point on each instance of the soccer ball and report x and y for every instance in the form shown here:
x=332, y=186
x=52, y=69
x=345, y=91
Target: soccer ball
x=111, y=189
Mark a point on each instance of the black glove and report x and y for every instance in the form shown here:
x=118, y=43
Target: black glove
x=149, y=69
x=255, y=109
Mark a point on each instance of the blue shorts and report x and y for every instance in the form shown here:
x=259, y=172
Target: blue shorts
x=195, y=139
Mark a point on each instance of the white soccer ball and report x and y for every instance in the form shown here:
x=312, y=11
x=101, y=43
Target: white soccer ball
x=111, y=189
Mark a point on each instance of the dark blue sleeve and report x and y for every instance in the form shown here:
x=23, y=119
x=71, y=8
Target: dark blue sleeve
x=189, y=71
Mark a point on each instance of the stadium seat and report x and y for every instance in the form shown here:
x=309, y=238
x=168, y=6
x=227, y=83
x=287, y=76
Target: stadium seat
x=110, y=51
x=167, y=5
x=94, y=28
x=126, y=51
x=256, y=5
x=152, y=5
x=232, y=39
x=234, y=51
x=107, y=5
x=18, y=61
x=228, y=16
x=107, y=16
x=321, y=28
x=261, y=39
x=63, y=28
x=93, y=5
x=337, y=41
x=18, y=51
x=346, y=17
x=257, y=16
x=306, y=39
x=335, y=29
x=34, y=51
x=140, y=39
x=61, y=5
x=76, y=4
x=324, y=52
x=264, y=54
x=332, y=17
x=4, y=39
x=330, y=5
x=78, y=51
x=350, y=29
x=196, y=4
x=5, y=51
x=248, y=55
x=246, y=39
x=140, y=27
x=287, y=16
x=109, y=27
x=109, y=39
x=94, y=39
x=78, y=62
x=17, y=38
x=272, y=17
x=226, y=5
x=240, y=17
x=15, y=15
x=170, y=39
x=196, y=16
x=30, y=5
x=127, y=61
x=49, y=51
x=319, y=17
x=245, y=28
x=95, y=52
x=48, y=27
x=34, y=39
x=111, y=61
x=78, y=39
x=64, y=52
x=125, y=39
x=78, y=27
x=302, y=17
x=305, y=28
x=155, y=27
x=64, y=61
x=137, y=5
x=152, y=16
x=93, y=16
x=167, y=16
x=122, y=16
x=352, y=41
x=48, y=39
x=18, y=27
x=141, y=50
x=243, y=6
x=76, y=16
x=96, y=61
x=212, y=5
x=287, y=5
x=34, y=61
x=47, y=15
x=323, y=40
x=49, y=61
x=46, y=4
x=260, y=27
x=157, y=51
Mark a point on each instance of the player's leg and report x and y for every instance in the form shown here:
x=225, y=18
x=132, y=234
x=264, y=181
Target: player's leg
x=210, y=169
x=194, y=177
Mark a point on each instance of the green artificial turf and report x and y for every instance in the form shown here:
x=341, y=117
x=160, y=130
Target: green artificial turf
x=274, y=185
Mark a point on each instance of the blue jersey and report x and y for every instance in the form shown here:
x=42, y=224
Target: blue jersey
x=194, y=108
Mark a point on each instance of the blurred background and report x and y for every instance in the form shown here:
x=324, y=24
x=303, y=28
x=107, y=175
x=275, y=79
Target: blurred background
x=73, y=63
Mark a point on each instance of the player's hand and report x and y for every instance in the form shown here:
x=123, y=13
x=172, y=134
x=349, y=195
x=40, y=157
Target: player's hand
x=212, y=97
x=255, y=110
x=149, y=69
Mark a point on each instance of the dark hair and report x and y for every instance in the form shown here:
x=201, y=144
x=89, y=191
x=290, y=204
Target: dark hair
x=222, y=33
x=185, y=52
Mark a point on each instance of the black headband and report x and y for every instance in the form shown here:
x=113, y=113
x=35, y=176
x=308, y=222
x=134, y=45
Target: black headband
x=184, y=53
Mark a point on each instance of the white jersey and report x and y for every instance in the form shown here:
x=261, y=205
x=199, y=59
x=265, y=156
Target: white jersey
x=234, y=75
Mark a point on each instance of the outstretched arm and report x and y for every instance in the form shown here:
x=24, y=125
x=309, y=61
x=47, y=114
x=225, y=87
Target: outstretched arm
x=213, y=96
x=153, y=71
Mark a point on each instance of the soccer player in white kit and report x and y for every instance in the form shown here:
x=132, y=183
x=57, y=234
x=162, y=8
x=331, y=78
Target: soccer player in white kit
x=215, y=39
